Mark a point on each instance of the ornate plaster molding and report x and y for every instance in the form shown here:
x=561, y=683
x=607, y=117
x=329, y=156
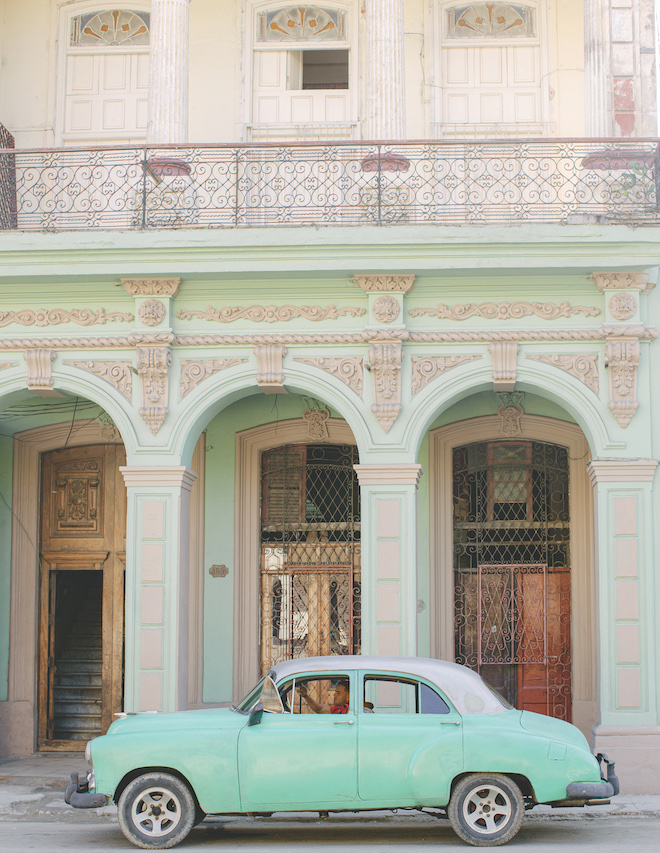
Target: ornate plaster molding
x=152, y=286
x=39, y=369
x=583, y=367
x=622, y=361
x=57, y=316
x=385, y=360
x=270, y=368
x=348, y=369
x=153, y=364
x=510, y=420
x=385, y=283
x=394, y=474
x=505, y=364
x=117, y=373
x=152, y=312
x=622, y=306
x=109, y=431
x=317, y=424
x=621, y=281
x=426, y=368
x=194, y=372
x=271, y=313
x=622, y=470
x=6, y=364
x=506, y=311
x=385, y=309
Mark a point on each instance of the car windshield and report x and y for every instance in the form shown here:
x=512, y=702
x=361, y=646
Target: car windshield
x=248, y=701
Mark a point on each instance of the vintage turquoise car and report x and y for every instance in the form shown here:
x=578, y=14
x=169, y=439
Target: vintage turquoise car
x=344, y=733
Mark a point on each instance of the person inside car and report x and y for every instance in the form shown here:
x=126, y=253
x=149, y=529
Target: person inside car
x=339, y=700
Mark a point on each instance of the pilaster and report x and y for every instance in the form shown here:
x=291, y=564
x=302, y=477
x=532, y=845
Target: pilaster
x=389, y=545
x=157, y=558
x=385, y=107
x=168, y=72
x=624, y=533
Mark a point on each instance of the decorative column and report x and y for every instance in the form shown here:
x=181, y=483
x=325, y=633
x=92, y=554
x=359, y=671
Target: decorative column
x=385, y=85
x=168, y=72
x=597, y=50
x=389, y=558
x=628, y=678
x=157, y=557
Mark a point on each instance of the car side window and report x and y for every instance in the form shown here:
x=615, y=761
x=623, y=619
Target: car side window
x=327, y=695
x=392, y=695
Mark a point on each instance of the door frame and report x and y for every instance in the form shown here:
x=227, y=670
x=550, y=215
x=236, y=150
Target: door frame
x=442, y=442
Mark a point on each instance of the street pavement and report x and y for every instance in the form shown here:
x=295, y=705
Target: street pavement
x=34, y=816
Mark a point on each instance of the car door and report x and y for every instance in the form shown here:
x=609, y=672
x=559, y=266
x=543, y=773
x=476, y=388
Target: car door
x=410, y=742
x=300, y=758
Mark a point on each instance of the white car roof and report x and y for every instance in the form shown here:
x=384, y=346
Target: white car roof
x=465, y=688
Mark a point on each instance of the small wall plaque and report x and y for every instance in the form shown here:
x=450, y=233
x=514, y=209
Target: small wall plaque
x=218, y=571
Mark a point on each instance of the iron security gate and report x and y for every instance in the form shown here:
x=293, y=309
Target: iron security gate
x=512, y=570
x=310, y=553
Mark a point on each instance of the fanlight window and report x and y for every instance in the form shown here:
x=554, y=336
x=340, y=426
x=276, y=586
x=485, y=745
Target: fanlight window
x=490, y=20
x=110, y=28
x=301, y=23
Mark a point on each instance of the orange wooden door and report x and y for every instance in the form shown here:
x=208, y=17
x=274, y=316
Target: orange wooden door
x=83, y=536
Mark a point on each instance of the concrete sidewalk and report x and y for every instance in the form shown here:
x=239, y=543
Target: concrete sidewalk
x=33, y=789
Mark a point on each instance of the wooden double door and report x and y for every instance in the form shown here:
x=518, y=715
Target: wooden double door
x=83, y=536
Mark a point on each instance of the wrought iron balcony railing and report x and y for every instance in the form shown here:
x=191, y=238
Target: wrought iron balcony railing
x=402, y=183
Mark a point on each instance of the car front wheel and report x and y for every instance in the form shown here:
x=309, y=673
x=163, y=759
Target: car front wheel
x=486, y=809
x=156, y=811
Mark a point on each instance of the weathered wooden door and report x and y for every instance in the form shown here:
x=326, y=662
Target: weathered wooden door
x=83, y=535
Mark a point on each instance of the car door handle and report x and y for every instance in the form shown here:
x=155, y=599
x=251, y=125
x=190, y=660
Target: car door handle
x=450, y=723
x=343, y=722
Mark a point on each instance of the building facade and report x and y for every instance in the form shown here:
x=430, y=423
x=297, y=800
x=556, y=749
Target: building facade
x=328, y=328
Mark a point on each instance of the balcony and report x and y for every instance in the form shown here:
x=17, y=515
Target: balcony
x=569, y=181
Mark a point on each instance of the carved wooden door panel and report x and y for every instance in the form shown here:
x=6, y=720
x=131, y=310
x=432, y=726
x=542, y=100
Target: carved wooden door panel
x=83, y=535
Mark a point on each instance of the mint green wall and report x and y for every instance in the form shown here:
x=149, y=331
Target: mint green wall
x=5, y=558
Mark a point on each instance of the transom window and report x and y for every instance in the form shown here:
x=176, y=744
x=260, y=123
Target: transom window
x=111, y=28
x=301, y=23
x=490, y=20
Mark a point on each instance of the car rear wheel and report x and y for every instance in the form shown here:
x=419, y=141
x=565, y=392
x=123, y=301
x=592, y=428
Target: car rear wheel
x=156, y=811
x=486, y=809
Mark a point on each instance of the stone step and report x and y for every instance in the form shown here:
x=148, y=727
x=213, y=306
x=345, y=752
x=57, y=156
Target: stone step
x=80, y=651
x=73, y=709
x=69, y=667
x=80, y=722
x=69, y=692
x=78, y=679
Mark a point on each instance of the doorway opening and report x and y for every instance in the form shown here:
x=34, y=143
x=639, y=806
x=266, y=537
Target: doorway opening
x=310, y=552
x=512, y=570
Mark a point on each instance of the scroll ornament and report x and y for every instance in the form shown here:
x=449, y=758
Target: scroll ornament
x=40, y=369
x=348, y=369
x=427, y=368
x=153, y=365
x=117, y=373
x=317, y=424
x=385, y=359
x=583, y=367
x=57, y=316
x=271, y=313
x=622, y=361
x=194, y=372
x=270, y=368
x=506, y=311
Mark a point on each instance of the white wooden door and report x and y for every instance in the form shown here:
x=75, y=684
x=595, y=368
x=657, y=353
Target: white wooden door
x=278, y=96
x=106, y=96
x=492, y=85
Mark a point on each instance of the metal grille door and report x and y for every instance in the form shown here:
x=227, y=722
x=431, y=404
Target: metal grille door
x=310, y=553
x=512, y=571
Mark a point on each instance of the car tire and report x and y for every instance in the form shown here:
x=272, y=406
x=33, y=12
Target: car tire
x=486, y=810
x=156, y=811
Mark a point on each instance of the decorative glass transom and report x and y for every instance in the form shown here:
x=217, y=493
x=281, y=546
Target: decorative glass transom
x=490, y=20
x=110, y=28
x=301, y=23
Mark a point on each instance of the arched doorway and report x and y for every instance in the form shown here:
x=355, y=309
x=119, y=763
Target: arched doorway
x=565, y=444
x=512, y=570
x=310, y=552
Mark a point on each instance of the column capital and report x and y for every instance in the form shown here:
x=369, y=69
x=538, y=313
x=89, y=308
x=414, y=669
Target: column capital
x=385, y=283
x=158, y=476
x=401, y=474
x=621, y=470
x=151, y=286
x=634, y=280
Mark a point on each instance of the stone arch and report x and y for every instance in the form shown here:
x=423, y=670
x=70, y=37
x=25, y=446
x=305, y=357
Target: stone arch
x=583, y=604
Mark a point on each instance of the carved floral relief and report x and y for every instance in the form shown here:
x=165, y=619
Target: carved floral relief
x=317, y=424
x=152, y=286
x=386, y=309
x=427, y=368
x=622, y=361
x=153, y=365
x=194, y=372
x=583, y=367
x=385, y=283
x=57, y=316
x=506, y=311
x=152, y=312
x=271, y=313
x=117, y=373
x=385, y=360
x=348, y=369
